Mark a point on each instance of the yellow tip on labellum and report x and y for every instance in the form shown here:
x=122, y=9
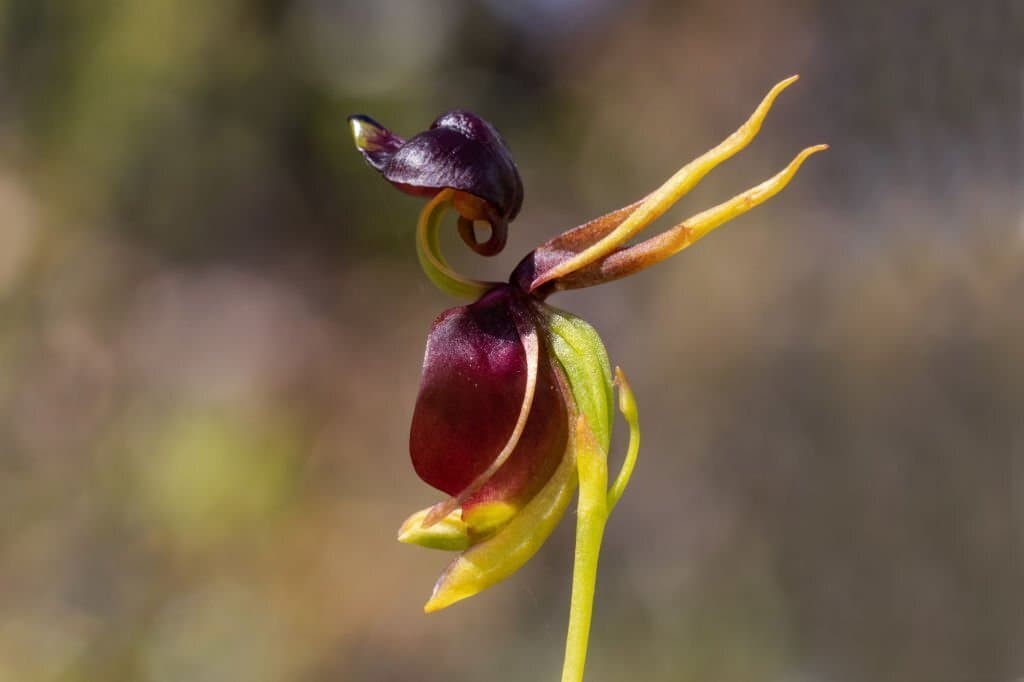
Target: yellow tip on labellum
x=486, y=518
x=661, y=199
x=450, y=533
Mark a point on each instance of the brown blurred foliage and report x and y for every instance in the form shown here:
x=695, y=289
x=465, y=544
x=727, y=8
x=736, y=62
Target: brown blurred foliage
x=211, y=324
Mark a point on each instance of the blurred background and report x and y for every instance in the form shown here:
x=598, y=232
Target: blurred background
x=212, y=324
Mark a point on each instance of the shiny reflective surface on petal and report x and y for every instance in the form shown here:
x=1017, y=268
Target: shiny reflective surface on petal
x=464, y=152
x=538, y=453
x=460, y=151
x=471, y=390
x=471, y=395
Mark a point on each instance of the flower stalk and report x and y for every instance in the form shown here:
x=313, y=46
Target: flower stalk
x=596, y=502
x=591, y=518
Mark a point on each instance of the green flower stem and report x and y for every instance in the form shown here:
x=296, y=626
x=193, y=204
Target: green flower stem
x=596, y=502
x=592, y=514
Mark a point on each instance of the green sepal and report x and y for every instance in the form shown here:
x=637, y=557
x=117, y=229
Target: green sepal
x=581, y=353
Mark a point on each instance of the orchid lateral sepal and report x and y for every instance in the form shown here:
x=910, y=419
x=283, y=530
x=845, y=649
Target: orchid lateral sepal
x=661, y=199
x=632, y=259
x=584, y=249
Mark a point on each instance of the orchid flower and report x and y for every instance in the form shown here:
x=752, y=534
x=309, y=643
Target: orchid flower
x=517, y=397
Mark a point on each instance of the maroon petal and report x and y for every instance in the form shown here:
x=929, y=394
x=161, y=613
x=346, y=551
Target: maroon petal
x=471, y=391
x=540, y=448
x=472, y=395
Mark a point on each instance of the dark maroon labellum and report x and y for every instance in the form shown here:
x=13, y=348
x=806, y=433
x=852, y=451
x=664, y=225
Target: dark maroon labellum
x=464, y=152
x=460, y=151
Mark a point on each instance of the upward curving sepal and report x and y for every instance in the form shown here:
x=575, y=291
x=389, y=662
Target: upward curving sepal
x=551, y=263
x=633, y=259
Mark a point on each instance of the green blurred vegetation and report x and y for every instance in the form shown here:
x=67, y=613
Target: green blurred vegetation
x=211, y=326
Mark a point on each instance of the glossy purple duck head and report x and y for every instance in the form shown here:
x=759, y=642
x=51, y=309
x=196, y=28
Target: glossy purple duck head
x=460, y=151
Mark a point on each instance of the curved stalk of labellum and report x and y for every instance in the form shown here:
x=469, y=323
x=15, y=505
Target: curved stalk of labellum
x=661, y=199
x=629, y=260
x=473, y=209
x=428, y=250
x=526, y=329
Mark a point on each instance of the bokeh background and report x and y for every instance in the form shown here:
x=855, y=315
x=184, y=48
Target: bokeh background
x=212, y=323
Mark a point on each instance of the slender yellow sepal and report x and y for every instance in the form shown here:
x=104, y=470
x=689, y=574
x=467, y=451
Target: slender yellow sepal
x=627, y=405
x=694, y=228
x=450, y=533
x=661, y=199
x=637, y=257
x=491, y=561
x=428, y=249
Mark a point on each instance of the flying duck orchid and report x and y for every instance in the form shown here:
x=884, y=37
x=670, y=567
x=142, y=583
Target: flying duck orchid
x=517, y=397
